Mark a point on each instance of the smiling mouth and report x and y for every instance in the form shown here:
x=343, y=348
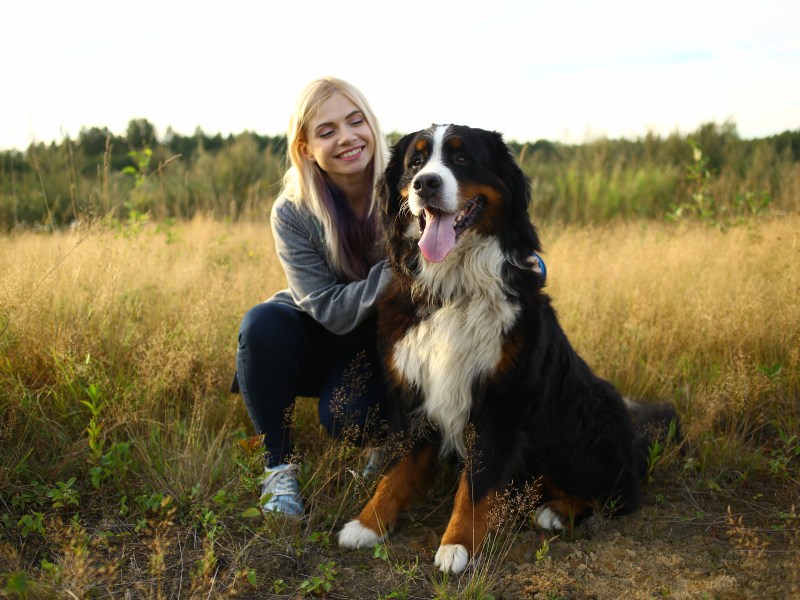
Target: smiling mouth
x=440, y=230
x=463, y=220
x=351, y=153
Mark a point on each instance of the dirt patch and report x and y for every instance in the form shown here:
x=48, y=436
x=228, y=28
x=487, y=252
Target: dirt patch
x=683, y=543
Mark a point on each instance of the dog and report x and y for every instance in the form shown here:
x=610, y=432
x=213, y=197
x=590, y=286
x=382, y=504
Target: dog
x=471, y=343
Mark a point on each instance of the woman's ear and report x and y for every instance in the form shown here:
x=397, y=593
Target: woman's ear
x=304, y=151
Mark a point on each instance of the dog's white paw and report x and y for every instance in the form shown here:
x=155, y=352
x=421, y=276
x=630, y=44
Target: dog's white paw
x=548, y=519
x=451, y=558
x=355, y=535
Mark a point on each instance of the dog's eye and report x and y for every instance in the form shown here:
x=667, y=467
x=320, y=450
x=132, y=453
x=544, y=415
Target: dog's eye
x=461, y=159
x=417, y=160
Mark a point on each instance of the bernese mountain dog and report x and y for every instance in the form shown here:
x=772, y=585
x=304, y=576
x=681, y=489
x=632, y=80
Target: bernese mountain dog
x=476, y=361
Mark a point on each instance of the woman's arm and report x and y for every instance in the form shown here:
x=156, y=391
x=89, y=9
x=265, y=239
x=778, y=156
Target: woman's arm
x=339, y=307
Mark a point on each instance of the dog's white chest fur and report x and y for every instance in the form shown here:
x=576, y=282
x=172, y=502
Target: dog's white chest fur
x=460, y=342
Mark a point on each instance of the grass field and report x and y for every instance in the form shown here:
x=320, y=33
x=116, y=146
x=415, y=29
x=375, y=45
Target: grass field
x=120, y=471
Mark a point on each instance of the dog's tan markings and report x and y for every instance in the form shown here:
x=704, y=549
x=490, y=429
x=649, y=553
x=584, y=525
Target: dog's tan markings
x=569, y=508
x=492, y=194
x=493, y=206
x=512, y=347
x=421, y=144
x=455, y=142
x=469, y=521
x=395, y=491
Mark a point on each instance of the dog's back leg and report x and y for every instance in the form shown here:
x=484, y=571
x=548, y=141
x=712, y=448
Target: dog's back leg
x=560, y=510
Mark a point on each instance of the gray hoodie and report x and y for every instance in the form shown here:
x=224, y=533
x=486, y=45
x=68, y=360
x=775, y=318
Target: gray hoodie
x=313, y=286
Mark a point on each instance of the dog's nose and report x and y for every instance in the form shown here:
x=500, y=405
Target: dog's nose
x=427, y=184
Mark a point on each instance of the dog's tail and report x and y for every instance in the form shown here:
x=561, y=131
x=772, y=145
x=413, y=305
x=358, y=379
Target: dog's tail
x=657, y=426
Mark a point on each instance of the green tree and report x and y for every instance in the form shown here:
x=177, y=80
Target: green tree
x=92, y=141
x=141, y=133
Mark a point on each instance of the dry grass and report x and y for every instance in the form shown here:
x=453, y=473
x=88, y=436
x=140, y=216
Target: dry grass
x=146, y=316
x=162, y=302
x=688, y=313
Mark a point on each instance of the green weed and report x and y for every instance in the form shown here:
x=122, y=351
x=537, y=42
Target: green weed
x=321, y=584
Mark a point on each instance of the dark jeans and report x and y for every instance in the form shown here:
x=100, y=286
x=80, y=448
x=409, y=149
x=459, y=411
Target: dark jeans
x=284, y=353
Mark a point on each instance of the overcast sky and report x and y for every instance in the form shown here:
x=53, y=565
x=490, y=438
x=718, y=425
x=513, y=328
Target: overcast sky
x=564, y=70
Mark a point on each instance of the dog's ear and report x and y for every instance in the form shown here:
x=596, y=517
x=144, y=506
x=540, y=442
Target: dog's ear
x=522, y=239
x=388, y=196
x=511, y=174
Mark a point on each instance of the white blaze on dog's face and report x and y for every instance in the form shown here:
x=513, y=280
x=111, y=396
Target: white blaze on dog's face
x=433, y=197
x=433, y=165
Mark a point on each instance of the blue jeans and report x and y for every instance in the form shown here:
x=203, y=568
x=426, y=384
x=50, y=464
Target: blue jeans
x=284, y=353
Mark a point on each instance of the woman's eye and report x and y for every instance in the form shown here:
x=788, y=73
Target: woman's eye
x=357, y=122
x=326, y=133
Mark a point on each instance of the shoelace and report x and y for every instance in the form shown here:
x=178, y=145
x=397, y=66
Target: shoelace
x=282, y=482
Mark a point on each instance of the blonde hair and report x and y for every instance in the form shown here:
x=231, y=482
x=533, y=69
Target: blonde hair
x=304, y=181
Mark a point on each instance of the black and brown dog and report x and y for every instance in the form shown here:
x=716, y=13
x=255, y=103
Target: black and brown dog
x=471, y=341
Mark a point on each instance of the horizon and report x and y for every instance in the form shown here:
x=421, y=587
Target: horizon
x=161, y=136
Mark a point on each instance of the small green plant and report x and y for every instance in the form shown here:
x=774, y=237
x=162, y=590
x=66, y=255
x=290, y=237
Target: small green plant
x=704, y=207
x=321, y=584
x=31, y=523
x=138, y=170
x=407, y=572
x=113, y=464
x=136, y=204
x=322, y=538
x=780, y=459
x=116, y=462
x=543, y=551
x=63, y=494
x=95, y=404
x=381, y=552
x=752, y=204
x=787, y=520
x=701, y=204
x=655, y=452
x=17, y=584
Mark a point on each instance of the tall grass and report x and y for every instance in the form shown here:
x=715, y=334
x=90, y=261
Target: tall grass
x=118, y=437
x=687, y=313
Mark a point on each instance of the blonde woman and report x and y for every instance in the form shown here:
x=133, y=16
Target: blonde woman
x=317, y=338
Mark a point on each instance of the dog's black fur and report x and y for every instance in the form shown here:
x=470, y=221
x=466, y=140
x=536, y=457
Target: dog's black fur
x=539, y=414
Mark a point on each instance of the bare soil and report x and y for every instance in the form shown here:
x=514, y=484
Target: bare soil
x=735, y=543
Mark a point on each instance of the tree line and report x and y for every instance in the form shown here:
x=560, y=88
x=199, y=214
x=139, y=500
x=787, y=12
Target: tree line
x=142, y=174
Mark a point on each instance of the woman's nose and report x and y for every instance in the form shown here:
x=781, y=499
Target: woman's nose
x=347, y=135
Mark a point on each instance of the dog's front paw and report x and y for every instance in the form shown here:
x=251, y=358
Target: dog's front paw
x=355, y=535
x=451, y=558
x=547, y=518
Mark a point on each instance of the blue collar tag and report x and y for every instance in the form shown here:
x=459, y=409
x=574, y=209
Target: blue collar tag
x=539, y=266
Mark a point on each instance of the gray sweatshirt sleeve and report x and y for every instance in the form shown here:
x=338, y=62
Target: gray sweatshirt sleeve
x=313, y=286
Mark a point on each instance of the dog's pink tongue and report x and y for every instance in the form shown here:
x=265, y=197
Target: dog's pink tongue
x=439, y=236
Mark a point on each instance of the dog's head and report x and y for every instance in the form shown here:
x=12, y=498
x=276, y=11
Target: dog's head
x=448, y=183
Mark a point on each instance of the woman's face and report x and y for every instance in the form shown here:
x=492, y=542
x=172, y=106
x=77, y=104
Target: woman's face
x=339, y=140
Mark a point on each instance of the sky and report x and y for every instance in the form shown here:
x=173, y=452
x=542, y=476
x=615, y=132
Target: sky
x=561, y=70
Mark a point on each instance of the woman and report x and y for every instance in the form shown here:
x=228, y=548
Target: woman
x=317, y=338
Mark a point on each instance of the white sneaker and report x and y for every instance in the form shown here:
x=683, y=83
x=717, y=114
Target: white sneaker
x=281, y=491
x=376, y=458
